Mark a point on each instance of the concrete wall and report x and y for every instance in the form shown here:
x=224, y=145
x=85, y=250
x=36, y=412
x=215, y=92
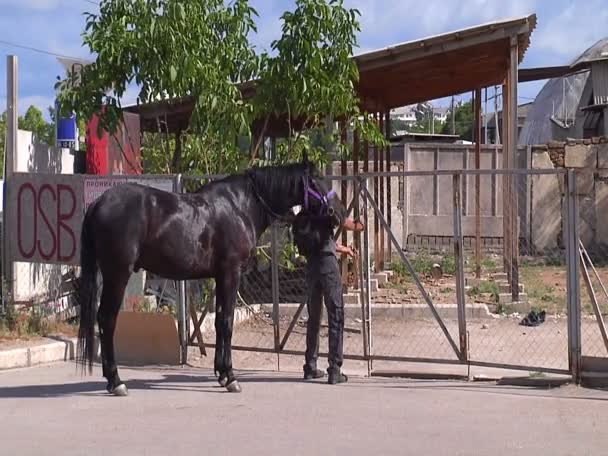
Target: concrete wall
x=37, y=281
x=422, y=206
x=589, y=158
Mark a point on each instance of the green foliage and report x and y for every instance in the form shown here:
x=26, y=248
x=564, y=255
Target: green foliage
x=201, y=49
x=44, y=132
x=171, y=49
x=463, y=121
x=485, y=287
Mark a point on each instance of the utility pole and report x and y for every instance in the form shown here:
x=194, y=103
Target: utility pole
x=9, y=168
x=453, y=117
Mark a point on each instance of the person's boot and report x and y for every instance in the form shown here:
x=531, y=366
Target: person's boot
x=311, y=374
x=335, y=376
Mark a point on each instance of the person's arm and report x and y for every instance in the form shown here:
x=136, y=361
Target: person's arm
x=353, y=225
x=344, y=249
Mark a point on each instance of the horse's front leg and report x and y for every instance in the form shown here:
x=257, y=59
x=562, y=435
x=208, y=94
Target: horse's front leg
x=226, y=292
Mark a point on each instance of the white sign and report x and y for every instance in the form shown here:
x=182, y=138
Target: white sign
x=95, y=187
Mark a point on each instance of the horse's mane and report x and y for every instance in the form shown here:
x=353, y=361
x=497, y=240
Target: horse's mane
x=274, y=185
x=274, y=180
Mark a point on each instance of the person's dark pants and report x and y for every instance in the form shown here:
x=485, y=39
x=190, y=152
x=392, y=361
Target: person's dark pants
x=324, y=282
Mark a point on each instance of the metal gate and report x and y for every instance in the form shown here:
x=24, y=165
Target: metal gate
x=430, y=286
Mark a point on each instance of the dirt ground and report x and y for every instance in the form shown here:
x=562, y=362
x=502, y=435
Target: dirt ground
x=501, y=340
x=545, y=286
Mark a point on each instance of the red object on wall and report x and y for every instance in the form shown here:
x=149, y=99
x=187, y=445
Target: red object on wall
x=116, y=154
x=97, y=149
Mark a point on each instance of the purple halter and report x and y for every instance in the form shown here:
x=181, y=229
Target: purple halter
x=323, y=199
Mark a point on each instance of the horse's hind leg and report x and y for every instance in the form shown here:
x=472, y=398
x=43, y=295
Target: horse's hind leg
x=111, y=300
x=226, y=291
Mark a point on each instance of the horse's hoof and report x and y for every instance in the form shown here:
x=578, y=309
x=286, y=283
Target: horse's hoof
x=234, y=387
x=121, y=390
x=223, y=381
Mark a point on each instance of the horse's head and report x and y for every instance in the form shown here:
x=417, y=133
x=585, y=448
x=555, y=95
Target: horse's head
x=280, y=188
x=317, y=195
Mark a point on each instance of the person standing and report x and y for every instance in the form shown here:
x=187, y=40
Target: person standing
x=314, y=237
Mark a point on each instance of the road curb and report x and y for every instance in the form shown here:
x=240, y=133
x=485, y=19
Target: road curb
x=57, y=350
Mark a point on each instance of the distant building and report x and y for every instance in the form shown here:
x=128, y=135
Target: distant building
x=407, y=115
x=574, y=104
x=490, y=123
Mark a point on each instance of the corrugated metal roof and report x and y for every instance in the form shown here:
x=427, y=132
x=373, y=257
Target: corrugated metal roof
x=434, y=40
x=560, y=97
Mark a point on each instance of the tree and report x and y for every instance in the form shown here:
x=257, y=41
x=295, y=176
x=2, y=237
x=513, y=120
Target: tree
x=463, y=121
x=33, y=121
x=200, y=49
x=44, y=132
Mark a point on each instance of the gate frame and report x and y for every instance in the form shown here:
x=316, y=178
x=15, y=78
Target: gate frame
x=362, y=196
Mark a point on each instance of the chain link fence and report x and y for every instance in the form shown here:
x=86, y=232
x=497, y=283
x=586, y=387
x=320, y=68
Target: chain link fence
x=526, y=329
x=442, y=276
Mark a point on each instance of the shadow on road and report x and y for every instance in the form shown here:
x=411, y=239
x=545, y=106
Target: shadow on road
x=570, y=392
x=199, y=383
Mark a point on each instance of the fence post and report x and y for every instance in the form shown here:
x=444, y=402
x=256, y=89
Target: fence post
x=572, y=259
x=182, y=314
x=459, y=257
x=275, y=287
x=367, y=318
x=9, y=168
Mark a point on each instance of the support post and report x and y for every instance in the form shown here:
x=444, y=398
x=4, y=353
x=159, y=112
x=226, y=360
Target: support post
x=514, y=193
x=573, y=283
x=506, y=212
x=366, y=266
x=182, y=310
x=376, y=222
x=344, y=197
x=477, y=183
x=389, y=212
x=459, y=255
x=356, y=184
x=381, y=202
x=274, y=254
x=12, y=108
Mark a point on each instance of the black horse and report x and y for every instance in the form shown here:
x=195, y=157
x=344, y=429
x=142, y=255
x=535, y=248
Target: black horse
x=211, y=233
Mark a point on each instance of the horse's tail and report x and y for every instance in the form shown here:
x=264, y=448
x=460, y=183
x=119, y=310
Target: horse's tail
x=87, y=294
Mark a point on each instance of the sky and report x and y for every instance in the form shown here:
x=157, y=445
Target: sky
x=565, y=29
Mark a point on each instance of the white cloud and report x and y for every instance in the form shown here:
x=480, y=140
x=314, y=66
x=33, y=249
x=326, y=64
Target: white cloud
x=574, y=29
x=415, y=18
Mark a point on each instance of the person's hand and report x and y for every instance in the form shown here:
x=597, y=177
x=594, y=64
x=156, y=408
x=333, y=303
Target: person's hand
x=351, y=252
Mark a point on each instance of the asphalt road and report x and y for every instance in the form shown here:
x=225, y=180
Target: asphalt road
x=51, y=410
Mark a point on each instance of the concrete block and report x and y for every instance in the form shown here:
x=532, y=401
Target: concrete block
x=499, y=276
x=146, y=338
x=506, y=288
x=57, y=351
x=12, y=359
x=581, y=156
x=507, y=298
x=546, y=205
x=373, y=283
x=584, y=182
x=522, y=307
x=381, y=278
x=352, y=298
x=602, y=155
x=53, y=351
